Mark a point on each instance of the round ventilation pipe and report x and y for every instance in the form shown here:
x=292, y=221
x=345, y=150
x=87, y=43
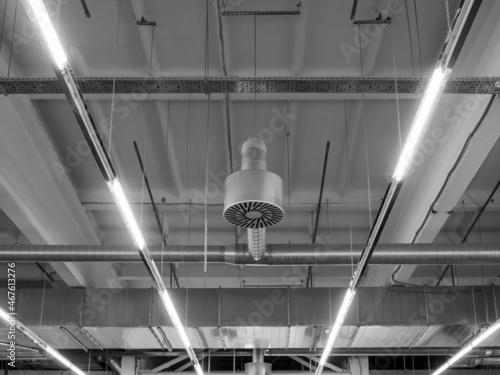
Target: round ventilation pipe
x=258, y=366
x=253, y=197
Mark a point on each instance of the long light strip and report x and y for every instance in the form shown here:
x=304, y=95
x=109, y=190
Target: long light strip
x=126, y=212
x=37, y=11
x=134, y=230
x=337, y=325
x=420, y=123
x=136, y=234
x=8, y=318
x=468, y=347
x=39, y=16
x=424, y=114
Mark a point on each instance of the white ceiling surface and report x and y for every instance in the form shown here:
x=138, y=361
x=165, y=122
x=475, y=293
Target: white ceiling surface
x=305, y=45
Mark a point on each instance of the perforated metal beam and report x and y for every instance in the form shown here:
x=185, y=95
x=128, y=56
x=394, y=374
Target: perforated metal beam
x=182, y=85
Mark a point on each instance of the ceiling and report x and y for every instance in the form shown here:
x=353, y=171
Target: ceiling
x=52, y=191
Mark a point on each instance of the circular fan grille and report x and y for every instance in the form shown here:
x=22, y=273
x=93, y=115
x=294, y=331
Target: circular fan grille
x=253, y=214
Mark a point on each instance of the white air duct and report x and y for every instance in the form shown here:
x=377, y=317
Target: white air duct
x=253, y=197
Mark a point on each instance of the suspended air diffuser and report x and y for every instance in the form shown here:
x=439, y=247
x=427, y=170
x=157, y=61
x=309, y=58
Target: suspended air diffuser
x=253, y=196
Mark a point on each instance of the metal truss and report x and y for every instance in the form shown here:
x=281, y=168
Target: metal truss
x=240, y=85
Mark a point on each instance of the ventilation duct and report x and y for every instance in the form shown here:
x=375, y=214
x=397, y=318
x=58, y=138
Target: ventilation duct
x=253, y=197
x=258, y=367
x=111, y=364
x=276, y=254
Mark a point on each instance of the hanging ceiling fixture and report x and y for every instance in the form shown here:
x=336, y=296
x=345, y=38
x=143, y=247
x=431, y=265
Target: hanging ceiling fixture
x=11, y=320
x=452, y=47
x=253, y=197
x=39, y=17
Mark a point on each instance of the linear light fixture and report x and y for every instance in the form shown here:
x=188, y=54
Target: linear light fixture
x=8, y=318
x=126, y=212
x=344, y=308
x=468, y=347
x=449, y=54
x=466, y=13
x=40, y=18
x=420, y=123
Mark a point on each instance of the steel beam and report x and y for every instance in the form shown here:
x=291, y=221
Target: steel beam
x=167, y=364
x=37, y=193
x=241, y=85
x=444, y=167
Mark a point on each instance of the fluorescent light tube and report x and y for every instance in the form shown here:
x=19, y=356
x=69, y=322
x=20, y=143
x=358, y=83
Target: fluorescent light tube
x=170, y=309
x=175, y=318
x=198, y=369
x=467, y=348
x=458, y=356
x=77, y=370
x=339, y=321
x=442, y=369
x=421, y=121
x=183, y=335
x=54, y=353
x=5, y=315
x=485, y=334
x=127, y=214
x=42, y=19
x=42, y=344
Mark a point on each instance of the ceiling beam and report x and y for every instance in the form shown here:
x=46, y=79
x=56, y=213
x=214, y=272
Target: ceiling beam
x=327, y=365
x=288, y=119
x=167, y=364
x=153, y=69
x=38, y=195
x=300, y=39
x=170, y=147
x=356, y=119
x=242, y=97
x=146, y=34
x=353, y=128
x=9, y=226
x=190, y=364
x=250, y=85
x=308, y=365
x=428, y=197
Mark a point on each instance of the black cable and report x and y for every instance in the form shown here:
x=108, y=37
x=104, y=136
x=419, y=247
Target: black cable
x=393, y=278
x=471, y=226
x=455, y=165
x=448, y=177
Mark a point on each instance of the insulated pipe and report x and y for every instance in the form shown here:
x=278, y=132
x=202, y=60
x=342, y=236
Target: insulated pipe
x=258, y=366
x=279, y=254
x=258, y=355
x=111, y=363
